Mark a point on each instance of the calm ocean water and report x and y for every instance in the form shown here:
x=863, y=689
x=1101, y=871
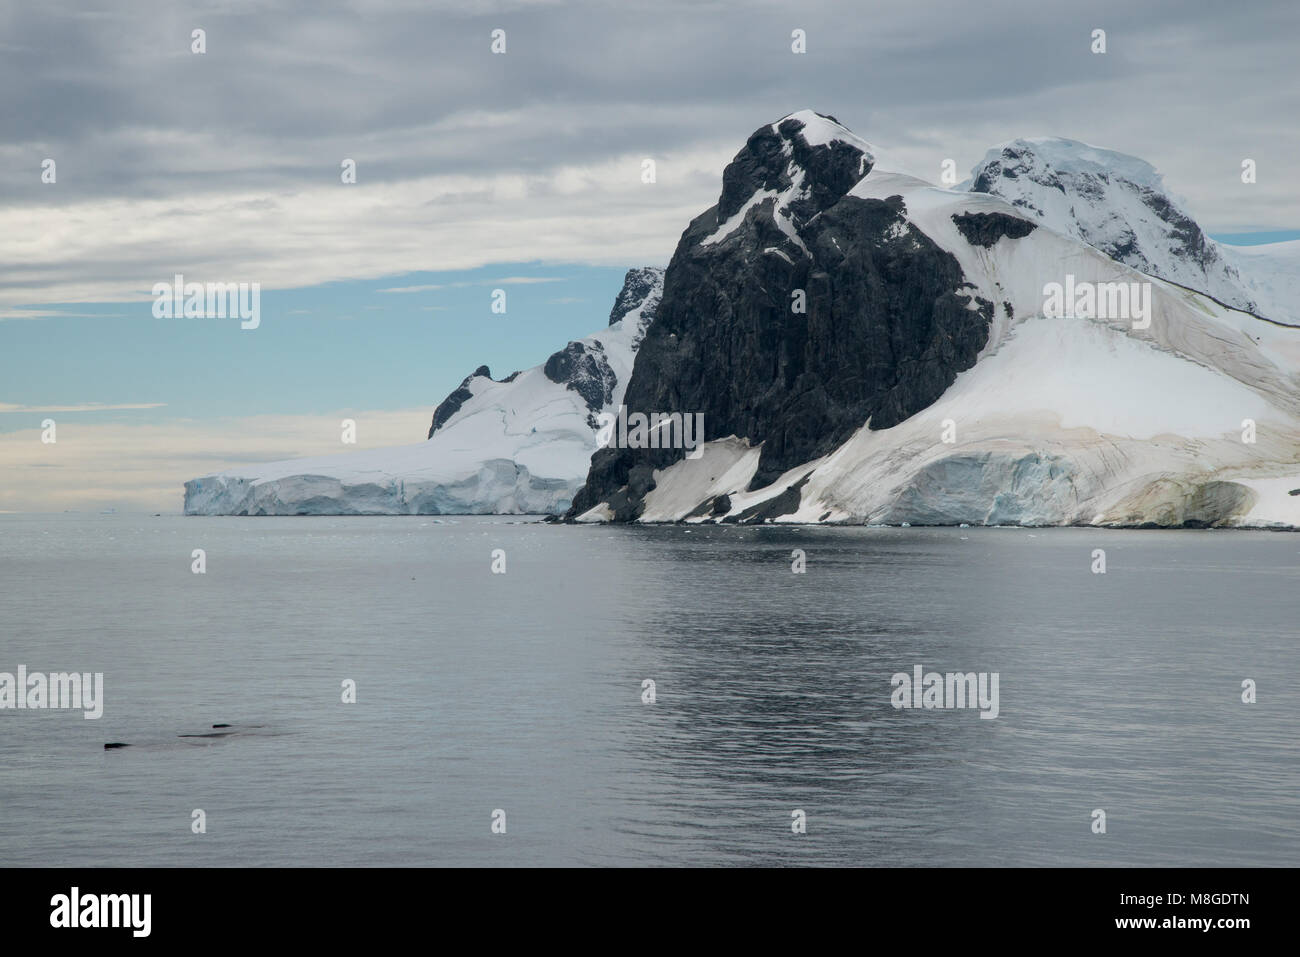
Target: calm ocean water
x=522, y=692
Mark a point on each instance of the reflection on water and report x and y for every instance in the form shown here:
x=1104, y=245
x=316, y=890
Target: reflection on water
x=523, y=692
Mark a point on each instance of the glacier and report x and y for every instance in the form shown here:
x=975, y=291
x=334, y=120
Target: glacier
x=515, y=446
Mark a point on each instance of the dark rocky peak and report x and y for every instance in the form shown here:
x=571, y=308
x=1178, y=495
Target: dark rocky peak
x=885, y=319
x=640, y=285
x=451, y=405
x=583, y=367
x=806, y=160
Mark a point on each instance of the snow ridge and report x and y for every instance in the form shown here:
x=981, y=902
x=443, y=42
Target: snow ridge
x=516, y=446
x=1119, y=204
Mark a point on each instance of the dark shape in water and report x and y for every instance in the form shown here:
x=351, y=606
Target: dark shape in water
x=110, y=745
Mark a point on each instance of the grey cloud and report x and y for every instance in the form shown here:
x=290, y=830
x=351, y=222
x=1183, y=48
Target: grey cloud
x=410, y=90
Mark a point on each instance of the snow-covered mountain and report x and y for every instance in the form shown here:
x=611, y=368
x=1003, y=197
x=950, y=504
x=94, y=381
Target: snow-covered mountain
x=1119, y=204
x=520, y=445
x=924, y=380
x=920, y=378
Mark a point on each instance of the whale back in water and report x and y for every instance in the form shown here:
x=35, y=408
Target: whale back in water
x=218, y=733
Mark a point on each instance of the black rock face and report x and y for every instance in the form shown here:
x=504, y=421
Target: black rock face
x=1190, y=240
x=772, y=508
x=451, y=405
x=768, y=159
x=584, y=368
x=638, y=285
x=888, y=320
x=985, y=229
x=582, y=365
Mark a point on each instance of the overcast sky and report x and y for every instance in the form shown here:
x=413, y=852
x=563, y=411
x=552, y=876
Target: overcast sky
x=228, y=161
x=475, y=169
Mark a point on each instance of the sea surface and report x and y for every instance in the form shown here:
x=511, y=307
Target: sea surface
x=522, y=692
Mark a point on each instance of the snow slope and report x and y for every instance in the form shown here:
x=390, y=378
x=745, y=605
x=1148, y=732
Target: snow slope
x=1270, y=276
x=1119, y=204
x=517, y=446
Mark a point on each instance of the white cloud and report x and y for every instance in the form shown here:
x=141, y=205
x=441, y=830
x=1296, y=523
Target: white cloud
x=521, y=280
x=88, y=407
x=507, y=281
x=18, y=314
x=114, y=250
